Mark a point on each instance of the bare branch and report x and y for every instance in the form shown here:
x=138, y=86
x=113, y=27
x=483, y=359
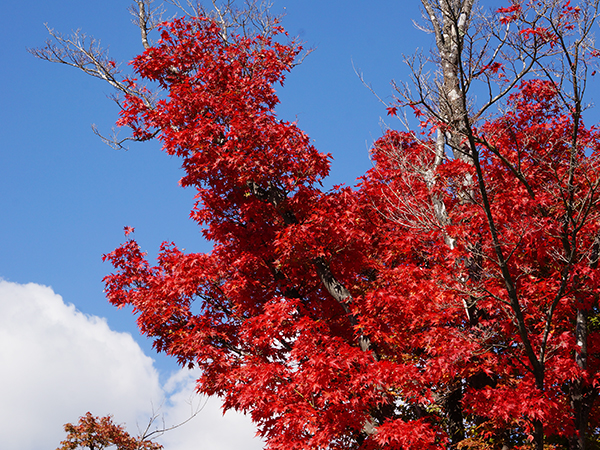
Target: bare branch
x=146, y=17
x=86, y=54
x=147, y=434
x=253, y=18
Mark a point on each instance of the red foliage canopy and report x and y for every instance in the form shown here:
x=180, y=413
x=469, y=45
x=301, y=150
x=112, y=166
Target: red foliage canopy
x=350, y=318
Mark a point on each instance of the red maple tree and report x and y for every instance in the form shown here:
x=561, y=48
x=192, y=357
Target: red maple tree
x=450, y=299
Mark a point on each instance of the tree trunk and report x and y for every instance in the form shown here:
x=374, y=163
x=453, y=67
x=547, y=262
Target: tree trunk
x=450, y=20
x=581, y=394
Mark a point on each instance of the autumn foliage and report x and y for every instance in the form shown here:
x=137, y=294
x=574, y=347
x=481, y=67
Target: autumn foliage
x=98, y=433
x=361, y=317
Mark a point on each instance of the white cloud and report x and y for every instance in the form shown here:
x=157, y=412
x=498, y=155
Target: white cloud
x=209, y=429
x=57, y=363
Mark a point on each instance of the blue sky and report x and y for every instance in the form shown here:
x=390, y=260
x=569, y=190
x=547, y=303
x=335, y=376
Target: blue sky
x=66, y=196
